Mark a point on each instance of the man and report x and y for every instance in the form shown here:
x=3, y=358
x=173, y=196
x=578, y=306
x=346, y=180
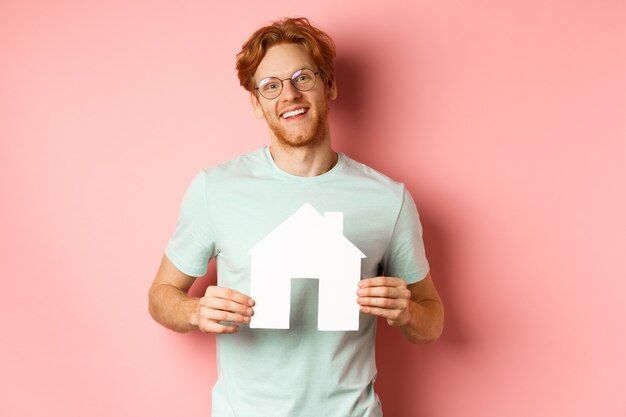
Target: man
x=287, y=68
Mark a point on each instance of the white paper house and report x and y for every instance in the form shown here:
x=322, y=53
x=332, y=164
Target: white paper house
x=306, y=245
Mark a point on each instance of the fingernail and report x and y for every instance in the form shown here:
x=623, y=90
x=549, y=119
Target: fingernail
x=249, y=311
x=246, y=319
x=251, y=302
x=360, y=292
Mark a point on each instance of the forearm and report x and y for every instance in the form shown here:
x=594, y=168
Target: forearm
x=173, y=308
x=426, y=321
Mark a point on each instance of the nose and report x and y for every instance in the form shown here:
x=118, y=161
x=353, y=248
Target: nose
x=289, y=91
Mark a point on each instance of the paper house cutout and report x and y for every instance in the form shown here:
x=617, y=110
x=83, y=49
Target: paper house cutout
x=306, y=245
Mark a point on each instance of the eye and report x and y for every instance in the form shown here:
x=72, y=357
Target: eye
x=302, y=78
x=270, y=86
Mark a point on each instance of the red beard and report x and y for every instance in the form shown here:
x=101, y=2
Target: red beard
x=311, y=138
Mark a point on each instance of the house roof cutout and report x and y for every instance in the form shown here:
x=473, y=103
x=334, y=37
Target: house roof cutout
x=307, y=225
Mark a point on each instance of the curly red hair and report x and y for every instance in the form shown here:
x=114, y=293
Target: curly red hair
x=288, y=30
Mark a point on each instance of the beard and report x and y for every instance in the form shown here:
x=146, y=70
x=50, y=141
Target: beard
x=311, y=138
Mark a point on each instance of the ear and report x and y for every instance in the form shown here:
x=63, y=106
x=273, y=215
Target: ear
x=331, y=89
x=256, y=106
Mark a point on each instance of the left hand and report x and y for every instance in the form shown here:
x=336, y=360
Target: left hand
x=386, y=297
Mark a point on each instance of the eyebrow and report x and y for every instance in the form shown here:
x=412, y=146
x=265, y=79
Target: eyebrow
x=292, y=74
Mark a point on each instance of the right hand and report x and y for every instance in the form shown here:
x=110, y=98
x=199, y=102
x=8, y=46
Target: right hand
x=223, y=304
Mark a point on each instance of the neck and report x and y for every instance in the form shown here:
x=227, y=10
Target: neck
x=304, y=162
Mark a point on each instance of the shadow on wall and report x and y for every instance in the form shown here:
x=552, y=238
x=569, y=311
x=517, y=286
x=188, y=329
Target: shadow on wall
x=352, y=108
x=440, y=257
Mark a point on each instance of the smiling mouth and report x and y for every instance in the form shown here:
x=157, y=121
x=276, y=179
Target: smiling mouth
x=292, y=113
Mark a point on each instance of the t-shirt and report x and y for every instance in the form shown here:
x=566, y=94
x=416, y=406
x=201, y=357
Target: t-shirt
x=298, y=371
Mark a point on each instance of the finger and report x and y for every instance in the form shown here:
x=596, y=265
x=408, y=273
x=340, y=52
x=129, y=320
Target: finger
x=391, y=315
x=229, y=294
x=209, y=326
x=385, y=303
x=219, y=315
x=382, y=281
x=386, y=292
x=226, y=305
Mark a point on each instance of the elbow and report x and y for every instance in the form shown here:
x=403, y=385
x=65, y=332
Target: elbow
x=437, y=323
x=433, y=335
x=437, y=331
x=152, y=304
x=436, y=328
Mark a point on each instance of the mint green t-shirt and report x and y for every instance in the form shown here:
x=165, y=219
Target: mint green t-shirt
x=298, y=372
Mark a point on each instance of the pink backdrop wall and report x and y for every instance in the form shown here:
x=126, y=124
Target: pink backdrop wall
x=507, y=121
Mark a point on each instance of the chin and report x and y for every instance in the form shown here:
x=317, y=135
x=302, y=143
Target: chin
x=300, y=142
x=311, y=139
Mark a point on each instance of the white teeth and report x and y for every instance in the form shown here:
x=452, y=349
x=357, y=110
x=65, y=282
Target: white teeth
x=289, y=114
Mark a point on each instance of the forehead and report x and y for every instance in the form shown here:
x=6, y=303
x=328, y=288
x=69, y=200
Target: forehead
x=282, y=60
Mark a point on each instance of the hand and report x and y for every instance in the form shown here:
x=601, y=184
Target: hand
x=386, y=297
x=223, y=304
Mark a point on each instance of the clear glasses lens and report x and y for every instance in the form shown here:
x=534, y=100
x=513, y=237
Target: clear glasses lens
x=270, y=87
x=302, y=80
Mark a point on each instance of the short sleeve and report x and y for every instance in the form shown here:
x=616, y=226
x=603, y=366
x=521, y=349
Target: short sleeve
x=405, y=256
x=192, y=245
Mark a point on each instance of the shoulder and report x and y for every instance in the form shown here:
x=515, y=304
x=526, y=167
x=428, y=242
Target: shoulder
x=239, y=166
x=241, y=162
x=369, y=177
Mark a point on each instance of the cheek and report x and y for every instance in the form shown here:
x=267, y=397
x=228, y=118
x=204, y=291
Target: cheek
x=270, y=109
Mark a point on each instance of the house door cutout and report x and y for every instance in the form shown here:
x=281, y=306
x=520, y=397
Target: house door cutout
x=304, y=305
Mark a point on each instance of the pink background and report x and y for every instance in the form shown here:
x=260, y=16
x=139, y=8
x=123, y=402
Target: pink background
x=506, y=120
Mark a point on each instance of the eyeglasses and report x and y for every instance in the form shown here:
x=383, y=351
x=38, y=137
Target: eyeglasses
x=302, y=80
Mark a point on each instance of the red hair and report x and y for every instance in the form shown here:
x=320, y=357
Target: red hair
x=288, y=30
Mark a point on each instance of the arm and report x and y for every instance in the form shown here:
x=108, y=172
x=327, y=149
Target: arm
x=416, y=309
x=170, y=305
